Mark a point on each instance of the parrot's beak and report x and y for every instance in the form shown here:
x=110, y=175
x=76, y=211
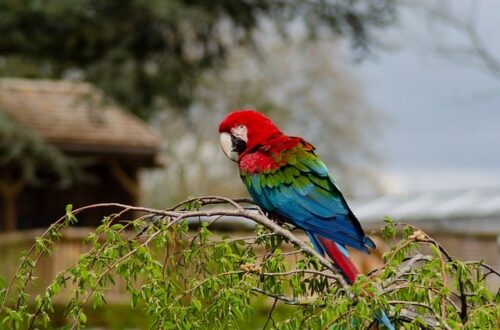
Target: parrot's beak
x=226, y=142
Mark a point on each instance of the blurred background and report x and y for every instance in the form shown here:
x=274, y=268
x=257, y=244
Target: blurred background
x=119, y=101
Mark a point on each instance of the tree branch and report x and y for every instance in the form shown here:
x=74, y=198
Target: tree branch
x=285, y=299
x=397, y=282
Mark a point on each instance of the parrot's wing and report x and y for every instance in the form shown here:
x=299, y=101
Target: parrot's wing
x=302, y=190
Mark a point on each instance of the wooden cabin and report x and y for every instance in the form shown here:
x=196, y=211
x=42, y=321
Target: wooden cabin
x=50, y=131
x=77, y=122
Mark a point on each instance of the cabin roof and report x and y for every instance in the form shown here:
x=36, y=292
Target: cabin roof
x=75, y=116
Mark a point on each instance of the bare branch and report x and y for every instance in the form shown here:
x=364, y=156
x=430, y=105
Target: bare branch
x=287, y=300
x=475, y=50
x=404, y=268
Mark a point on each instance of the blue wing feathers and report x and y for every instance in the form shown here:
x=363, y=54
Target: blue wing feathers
x=317, y=245
x=256, y=184
x=368, y=242
x=328, y=219
x=308, y=197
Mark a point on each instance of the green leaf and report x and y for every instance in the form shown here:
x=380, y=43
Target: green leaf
x=197, y=304
x=82, y=317
x=117, y=226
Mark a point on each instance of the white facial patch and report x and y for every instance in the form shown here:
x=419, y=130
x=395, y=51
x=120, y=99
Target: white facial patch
x=227, y=146
x=240, y=132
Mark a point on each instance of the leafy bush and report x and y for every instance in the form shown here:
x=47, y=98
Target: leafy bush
x=191, y=279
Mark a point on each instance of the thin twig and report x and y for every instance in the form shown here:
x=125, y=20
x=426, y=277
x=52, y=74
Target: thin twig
x=270, y=316
x=285, y=299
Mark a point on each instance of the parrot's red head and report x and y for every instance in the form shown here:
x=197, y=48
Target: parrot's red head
x=244, y=129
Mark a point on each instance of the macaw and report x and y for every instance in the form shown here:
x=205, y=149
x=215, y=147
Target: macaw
x=286, y=178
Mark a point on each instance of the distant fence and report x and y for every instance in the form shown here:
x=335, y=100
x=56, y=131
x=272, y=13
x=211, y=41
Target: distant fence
x=69, y=248
x=474, y=247
x=66, y=254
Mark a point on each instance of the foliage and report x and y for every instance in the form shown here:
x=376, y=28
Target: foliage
x=151, y=52
x=185, y=279
x=320, y=100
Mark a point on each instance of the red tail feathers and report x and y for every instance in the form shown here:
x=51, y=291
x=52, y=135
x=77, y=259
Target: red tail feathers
x=350, y=272
x=342, y=261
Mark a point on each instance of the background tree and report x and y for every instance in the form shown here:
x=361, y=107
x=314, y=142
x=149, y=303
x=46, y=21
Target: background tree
x=162, y=60
x=146, y=54
x=461, y=21
x=319, y=99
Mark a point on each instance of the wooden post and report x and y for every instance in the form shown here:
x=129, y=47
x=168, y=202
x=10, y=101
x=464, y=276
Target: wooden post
x=126, y=181
x=9, y=192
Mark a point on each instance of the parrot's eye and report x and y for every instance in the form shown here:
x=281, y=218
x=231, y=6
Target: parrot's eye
x=240, y=132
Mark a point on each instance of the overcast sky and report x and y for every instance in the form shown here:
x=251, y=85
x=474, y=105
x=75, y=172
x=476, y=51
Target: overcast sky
x=445, y=127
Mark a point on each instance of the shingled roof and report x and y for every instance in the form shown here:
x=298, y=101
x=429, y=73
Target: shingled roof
x=75, y=116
